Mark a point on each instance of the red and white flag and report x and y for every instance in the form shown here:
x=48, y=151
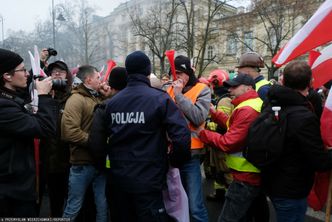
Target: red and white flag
x=319, y=192
x=326, y=121
x=317, y=31
x=321, y=68
x=313, y=55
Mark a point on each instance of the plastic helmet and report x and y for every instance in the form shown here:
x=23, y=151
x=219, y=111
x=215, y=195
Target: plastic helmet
x=204, y=81
x=251, y=59
x=217, y=77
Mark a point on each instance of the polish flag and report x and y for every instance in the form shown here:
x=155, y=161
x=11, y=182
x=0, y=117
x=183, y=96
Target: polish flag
x=316, y=32
x=321, y=68
x=326, y=121
x=320, y=190
x=313, y=55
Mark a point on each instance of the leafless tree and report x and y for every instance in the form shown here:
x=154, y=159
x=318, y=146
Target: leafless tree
x=275, y=22
x=154, y=29
x=78, y=23
x=201, y=30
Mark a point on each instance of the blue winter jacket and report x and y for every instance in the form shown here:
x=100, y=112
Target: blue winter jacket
x=134, y=129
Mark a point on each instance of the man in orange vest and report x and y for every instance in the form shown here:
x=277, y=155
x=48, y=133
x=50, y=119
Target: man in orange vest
x=193, y=99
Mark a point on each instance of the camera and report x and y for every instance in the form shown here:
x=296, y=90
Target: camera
x=52, y=52
x=57, y=84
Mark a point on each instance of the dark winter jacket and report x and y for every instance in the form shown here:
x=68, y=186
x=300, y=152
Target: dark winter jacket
x=262, y=91
x=54, y=151
x=303, y=153
x=136, y=122
x=18, y=128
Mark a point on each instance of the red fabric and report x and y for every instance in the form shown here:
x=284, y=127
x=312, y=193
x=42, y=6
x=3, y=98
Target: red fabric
x=219, y=118
x=37, y=156
x=318, y=194
x=310, y=36
x=110, y=65
x=250, y=178
x=313, y=55
x=321, y=68
x=326, y=124
x=234, y=139
x=170, y=56
x=322, y=73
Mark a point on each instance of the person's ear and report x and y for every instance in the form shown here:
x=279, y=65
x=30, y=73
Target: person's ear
x=7, y=77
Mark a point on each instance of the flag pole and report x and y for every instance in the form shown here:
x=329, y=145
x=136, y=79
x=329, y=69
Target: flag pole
x=329, y=200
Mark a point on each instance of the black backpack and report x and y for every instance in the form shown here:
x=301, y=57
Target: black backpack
x=266, y=136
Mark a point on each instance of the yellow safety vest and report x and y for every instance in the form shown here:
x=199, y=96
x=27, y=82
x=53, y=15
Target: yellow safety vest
x=236, y=161
x=261, y=83
x=192, y=94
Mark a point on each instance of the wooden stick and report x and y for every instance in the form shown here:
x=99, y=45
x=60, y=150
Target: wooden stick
x=329, y=200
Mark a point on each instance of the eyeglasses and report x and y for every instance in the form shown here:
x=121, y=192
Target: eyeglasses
x=61, y=72
x=20, y=70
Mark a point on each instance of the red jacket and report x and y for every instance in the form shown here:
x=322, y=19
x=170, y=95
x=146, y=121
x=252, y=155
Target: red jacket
x=235, y=138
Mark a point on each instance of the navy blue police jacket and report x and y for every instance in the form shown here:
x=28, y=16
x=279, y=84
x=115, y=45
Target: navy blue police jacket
x=136, y=128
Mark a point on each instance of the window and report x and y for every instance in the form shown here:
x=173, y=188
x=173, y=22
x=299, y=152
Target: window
x=210, y=52
x=231, y=45
x=248, y=41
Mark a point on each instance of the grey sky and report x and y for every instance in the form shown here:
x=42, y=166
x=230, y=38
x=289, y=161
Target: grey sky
x=23, y=14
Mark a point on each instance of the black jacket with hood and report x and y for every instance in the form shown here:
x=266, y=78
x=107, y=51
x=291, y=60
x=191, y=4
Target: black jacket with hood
x=18, y=128
x=303, y=154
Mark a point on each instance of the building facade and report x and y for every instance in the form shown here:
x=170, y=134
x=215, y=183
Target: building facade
x=265, y=26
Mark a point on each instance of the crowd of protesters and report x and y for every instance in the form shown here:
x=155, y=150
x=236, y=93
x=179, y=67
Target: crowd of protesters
x=103, y=149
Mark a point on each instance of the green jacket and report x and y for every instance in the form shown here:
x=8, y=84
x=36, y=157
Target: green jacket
x=76, y=122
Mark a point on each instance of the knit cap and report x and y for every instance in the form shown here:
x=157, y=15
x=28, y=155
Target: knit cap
x=8, y=61
x=138, y=62
x=183, y=64
x=118, y=78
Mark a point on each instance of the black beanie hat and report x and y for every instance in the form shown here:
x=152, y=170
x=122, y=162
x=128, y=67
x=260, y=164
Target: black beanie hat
x=8, y=61
x=182, y=63
x=138, y=62
x=118, y=78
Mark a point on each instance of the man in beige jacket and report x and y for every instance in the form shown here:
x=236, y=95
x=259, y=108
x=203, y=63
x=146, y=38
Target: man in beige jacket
x=75, y=126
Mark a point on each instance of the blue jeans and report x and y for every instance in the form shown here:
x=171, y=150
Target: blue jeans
x=192, y=182
x=238, y=199
x=80, y=177
x=289, y=210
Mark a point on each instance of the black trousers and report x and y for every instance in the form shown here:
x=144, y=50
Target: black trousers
x=140, y=207
x=259, y=210
x=10, y=207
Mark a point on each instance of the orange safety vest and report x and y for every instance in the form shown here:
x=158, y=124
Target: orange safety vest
x=192, y=94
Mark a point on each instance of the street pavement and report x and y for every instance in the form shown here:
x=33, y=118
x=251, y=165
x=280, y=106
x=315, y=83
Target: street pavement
x=213, y=208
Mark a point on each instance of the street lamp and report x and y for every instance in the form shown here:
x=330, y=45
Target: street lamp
x=53, y=23
x=3, y=32
x=60, y=18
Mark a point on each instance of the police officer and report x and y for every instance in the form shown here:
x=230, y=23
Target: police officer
x=134, y=130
